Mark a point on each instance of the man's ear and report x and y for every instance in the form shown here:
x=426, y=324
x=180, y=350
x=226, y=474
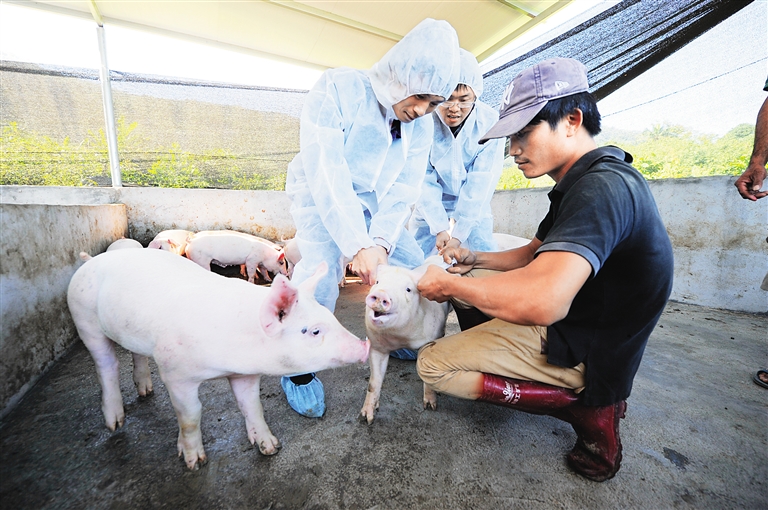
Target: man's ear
x=573, y=121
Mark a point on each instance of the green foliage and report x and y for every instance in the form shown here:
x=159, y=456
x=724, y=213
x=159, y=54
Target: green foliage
x=666, y=151
x=27, y=158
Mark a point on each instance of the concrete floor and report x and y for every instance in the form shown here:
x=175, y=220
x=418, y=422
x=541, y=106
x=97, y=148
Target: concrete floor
x=695, y=436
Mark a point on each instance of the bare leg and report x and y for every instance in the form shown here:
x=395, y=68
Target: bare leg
x=246, y=390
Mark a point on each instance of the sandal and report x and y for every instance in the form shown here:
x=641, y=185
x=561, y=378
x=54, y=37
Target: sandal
x=757, y=379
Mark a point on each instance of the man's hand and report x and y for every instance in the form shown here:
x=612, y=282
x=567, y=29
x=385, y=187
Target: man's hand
x=433, y=284
x=462, y=259
x=366, y=262
x=751, y=181
x=442, y=239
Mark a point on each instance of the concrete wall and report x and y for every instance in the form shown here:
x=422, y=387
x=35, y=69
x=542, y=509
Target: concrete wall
x=39, y=247
x=719, y=241
x=151, y=210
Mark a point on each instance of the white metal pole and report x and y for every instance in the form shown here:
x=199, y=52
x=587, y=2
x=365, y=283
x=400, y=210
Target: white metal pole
x=109, y=112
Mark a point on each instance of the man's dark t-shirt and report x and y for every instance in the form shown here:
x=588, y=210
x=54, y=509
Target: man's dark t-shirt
x=603, y=210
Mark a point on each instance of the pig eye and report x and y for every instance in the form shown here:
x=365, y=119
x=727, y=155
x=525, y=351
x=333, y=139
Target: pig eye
x=407, y=289
x=315, y=332
x=303, y=331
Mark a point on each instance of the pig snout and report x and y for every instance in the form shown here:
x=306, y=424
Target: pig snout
x=379, y=302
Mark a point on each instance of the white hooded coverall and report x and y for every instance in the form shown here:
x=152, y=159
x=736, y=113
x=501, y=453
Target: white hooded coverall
x=352, y=186
x=461, y=175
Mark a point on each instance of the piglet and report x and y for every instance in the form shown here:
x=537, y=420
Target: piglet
x=229, y=248
x=199, y=326
x=174, y=241
x=396, y=317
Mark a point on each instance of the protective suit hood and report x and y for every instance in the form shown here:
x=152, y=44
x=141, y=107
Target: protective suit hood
x=425, y=61
x=470, y=74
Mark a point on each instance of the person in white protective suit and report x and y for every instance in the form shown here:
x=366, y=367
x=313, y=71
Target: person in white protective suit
x=461, y=175
x=364, y=145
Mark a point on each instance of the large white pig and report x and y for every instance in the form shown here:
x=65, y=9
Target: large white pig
x=174, y=241
x=229, y=248
x=397, y=317
x=199, y=326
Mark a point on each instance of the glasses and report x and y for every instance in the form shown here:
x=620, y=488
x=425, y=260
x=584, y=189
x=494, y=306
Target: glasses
x=464, y=106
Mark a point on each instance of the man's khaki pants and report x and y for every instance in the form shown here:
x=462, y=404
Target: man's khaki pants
x=455, y=365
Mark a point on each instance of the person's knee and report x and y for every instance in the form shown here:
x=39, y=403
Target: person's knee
x=429, y=371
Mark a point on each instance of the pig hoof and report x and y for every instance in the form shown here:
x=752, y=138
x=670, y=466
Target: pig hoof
x=365, y=417
x=115, y=423
x=430, y=405
x=148, y=392
x=269, y=446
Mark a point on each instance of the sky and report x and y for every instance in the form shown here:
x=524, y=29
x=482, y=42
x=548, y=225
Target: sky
x=710, y=86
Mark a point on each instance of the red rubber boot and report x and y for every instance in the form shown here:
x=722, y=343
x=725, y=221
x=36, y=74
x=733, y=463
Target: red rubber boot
x=531, y=397
x=597, y=454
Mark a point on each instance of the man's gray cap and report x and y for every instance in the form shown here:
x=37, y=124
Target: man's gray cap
x=532, y=89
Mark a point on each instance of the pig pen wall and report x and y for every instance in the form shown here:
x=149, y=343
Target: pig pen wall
x=39, y=247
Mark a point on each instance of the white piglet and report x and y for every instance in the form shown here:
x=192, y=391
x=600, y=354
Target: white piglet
x=174, y=241
x=396, y=317
x=201, y=326
x=236, y=248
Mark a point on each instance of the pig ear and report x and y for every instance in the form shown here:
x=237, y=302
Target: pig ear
x=281, y=257
x=278, y=304
x=172, y=243
x=418, y=272
x=310, y=283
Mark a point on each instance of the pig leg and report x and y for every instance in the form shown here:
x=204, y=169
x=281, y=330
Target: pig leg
x=378, y=361
x=184, y=397
x=141, y=375
x=250, y=267
x=102, y=351
x=430, y=398
x=246, y=390
x=264, y=272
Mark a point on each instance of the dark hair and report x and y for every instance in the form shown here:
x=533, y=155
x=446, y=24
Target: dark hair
x=557, y=109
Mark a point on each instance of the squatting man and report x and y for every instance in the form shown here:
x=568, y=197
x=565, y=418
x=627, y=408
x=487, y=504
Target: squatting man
x=558, y=327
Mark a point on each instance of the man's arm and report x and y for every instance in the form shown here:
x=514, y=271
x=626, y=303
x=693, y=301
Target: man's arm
x=751, y=180
x=539, y=293
x=465, y=259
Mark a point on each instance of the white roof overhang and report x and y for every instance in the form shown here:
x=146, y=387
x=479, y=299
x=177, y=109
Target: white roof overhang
x=318, y=34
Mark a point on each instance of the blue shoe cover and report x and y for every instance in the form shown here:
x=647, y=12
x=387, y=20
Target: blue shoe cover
x=308, y=399
x=406, y=354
